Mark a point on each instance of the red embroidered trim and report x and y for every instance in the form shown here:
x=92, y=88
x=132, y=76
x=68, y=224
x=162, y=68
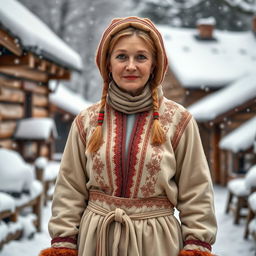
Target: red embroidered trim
x=200, y=243
x=117, y=158
x=161, y=202
x=63, y=239
x=185, y=118
x=80, y=126
x=142, y=159
x=134, y=150
x=108, y=146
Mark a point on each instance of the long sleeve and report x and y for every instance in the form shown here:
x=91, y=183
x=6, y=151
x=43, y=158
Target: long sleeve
x=70, y=195
x=195, y=192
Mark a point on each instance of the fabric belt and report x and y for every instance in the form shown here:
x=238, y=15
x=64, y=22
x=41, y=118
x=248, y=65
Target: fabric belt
x=123, y=223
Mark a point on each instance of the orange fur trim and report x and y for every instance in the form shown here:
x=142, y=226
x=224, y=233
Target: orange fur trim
x=58, y=252
x=194, y=253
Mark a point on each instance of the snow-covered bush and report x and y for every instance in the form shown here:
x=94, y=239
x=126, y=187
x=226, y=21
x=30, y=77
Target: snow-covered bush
x=16, y=175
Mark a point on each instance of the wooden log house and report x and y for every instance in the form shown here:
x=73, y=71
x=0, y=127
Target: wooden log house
x=220, y=113
x=238, y=151
x=204, y=59
x=28, y=61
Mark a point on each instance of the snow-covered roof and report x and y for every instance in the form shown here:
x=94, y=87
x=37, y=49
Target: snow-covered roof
x=209, y=63
x=215, y=104
x=68, y=100
x=241, y=138
x=206, y=21
x=35, y=128
x=36, y=36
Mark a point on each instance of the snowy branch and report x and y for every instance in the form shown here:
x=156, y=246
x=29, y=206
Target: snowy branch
x=248, y=7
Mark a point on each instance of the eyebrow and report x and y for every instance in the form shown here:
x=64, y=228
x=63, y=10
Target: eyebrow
x=139, y=51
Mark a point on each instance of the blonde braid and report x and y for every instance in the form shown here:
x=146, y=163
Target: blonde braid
x=157, y=134
x=96, y=138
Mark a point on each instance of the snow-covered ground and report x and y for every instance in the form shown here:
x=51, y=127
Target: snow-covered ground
x=229, y=242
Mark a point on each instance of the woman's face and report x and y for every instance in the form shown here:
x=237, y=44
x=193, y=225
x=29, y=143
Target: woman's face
x=131, y=63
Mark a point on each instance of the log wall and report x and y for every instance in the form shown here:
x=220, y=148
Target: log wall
x=13, y=103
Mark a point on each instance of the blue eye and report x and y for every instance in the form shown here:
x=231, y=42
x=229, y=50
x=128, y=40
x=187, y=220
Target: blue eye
x=141, y=57
x=121, y=57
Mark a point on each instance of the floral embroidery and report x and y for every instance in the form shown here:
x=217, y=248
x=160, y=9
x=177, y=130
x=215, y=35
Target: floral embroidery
x=93, y=115
x=180, y=127
x=161, y=202
x=154, y=165
x=167, y=117
x=98, y=167
x=153, y=168
x=80, y=125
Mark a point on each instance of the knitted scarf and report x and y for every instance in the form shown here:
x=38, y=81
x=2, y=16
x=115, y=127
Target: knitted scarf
x=128, y=104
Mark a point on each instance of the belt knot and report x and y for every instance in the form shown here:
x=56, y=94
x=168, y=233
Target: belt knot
x=119, y=213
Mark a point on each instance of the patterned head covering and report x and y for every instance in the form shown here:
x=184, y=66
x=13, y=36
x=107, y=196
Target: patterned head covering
x=142, y=24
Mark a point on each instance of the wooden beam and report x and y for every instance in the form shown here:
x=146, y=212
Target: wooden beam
x=35, y=88
x=215, y=154
x=65, y=76
x=21, y=72
x=11, y=95
x=8, y=143
x=27, y=60
x=53, y=69
x=40, y=112
x=11, y=111
x=10, y=83
x=7, y=129
x=40, y=100
x=10, y=43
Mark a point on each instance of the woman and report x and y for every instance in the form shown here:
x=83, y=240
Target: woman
x=130, y=159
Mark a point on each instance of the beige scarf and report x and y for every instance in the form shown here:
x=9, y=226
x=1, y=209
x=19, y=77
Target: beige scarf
x=128, y=104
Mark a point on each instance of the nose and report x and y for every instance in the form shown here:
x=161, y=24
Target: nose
x=131, y=65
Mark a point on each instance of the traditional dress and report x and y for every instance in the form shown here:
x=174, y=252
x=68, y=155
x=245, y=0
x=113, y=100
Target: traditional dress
x=118, y=202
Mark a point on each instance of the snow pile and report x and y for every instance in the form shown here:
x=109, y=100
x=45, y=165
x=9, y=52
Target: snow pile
x=213, y=63
x=7, y=203
x=241, y=138
x=51, y=171
x=238, y=187
x=252, y=227
x=250, y=178
x=9, y=228
x=41, y=162
x=225, y=99
x=67, y=100
x=35, y=191
x=242, y=186
x=34, y=34
x=16, y=175
x=206, y=21
x=252, y=201
x=28, y=228
x=36, y=128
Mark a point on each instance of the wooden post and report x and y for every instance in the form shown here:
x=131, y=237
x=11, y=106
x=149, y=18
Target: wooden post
x=214, y=154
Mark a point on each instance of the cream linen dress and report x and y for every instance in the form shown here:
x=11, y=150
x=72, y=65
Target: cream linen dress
x=109, y=204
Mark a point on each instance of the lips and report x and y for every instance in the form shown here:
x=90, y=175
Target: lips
x=130, y=77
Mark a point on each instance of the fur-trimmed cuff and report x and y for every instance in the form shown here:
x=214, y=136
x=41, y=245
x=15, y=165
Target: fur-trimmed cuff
x=194, y=253
x=59, y=252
